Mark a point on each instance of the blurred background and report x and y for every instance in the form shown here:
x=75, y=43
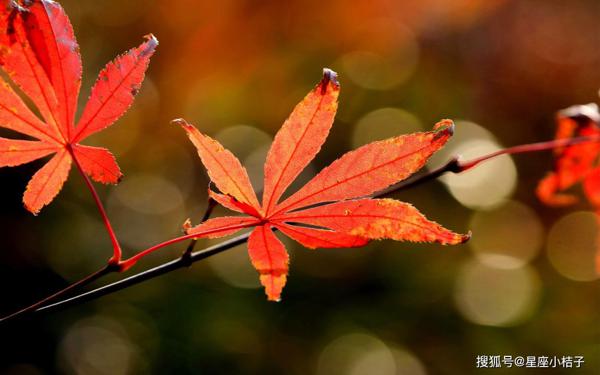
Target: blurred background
x=524, y=285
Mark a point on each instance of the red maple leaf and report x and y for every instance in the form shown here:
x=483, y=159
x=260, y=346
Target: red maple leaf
x=39, y=52
x=331, y=210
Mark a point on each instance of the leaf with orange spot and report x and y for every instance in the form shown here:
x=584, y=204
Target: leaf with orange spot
x=344, y=223
x=15, y=152
x=98, y=163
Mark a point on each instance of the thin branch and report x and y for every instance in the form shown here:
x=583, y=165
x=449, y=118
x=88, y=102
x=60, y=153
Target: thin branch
x=454, y=165
x=85, y=281
x=117, y=253
x=187, y=254
x=146, y=275
x=457, y=165
x=532, y=147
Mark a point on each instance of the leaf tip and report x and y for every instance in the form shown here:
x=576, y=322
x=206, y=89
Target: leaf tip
x=329, y=76
x=444, y=128
x=183, y=123
x=273, y=285
x=466, y=237
x=34, y=210
x=151, y=44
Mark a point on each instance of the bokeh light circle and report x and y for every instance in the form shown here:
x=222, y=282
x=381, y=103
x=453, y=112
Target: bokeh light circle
x=145, y=209
x=572, y=243
x=378, y=72
x=507, y=236
x=242, y=140
x=97, y=346
x=387, y=55
x=234, y=267
x=364, y=354
x=149, y=194
x=407, y=363
x=384, y=123
x=496, y=297
x=250, y=145
x=255, y=164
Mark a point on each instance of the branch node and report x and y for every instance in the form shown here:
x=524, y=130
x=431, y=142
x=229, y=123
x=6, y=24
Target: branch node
x=454, y=165
x=186, y=257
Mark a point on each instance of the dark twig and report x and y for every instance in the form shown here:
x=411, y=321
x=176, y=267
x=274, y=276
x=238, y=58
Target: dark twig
x=85, y=281
x=453, y=165
x=187, y=254
x=146, y=275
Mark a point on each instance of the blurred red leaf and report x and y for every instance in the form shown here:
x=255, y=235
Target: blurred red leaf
x=575, y=163
x=572, y=163
x=39, y=52
x=341, y=220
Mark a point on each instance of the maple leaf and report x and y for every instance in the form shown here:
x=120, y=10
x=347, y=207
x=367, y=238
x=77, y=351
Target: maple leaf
x=39, y=52
x=331, y=210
